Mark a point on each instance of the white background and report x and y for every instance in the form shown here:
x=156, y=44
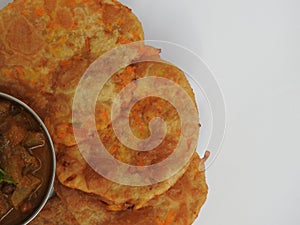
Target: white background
x=253, y=48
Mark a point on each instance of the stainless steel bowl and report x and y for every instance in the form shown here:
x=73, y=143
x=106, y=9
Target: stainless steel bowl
x=50, y=190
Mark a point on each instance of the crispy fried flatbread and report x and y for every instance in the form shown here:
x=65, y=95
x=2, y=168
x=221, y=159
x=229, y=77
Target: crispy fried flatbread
x=45, y=46
x=54, y=213
x=72, y=169
x=41, y=38
x=180, y=205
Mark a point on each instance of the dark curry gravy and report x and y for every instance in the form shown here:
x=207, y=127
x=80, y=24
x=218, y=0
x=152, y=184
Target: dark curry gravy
x=25, y=164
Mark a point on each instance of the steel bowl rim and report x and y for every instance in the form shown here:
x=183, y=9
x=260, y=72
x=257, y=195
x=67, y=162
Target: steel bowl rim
x=49, y=191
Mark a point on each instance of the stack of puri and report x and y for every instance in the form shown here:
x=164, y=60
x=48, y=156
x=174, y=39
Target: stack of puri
x=45, y=48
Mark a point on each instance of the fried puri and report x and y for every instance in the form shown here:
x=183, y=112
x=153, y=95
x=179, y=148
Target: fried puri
x=54, y=213
x=41, y=38
x=72, y=169
x=179, y=205
x=45, y=48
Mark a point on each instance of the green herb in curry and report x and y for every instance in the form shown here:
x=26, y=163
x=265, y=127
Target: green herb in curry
x=4, y=177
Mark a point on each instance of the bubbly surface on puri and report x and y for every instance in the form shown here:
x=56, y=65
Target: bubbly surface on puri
x=45, y=48
x=179, y=205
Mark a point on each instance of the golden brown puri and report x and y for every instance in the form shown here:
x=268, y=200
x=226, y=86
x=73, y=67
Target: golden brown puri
x=72, y=169
x=179, y=205
x=40, y=38
x=54, y=213
x=45, y=46
x=59, y=119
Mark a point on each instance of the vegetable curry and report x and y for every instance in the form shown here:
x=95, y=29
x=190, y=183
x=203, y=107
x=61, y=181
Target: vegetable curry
x=25, y=165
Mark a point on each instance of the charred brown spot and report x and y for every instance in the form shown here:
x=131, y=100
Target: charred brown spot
x=22, y=37
x=66, y=164
x=69, y=179
x=110, y=13
x=50, y=5
x=117, y=17
x=64, y=17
